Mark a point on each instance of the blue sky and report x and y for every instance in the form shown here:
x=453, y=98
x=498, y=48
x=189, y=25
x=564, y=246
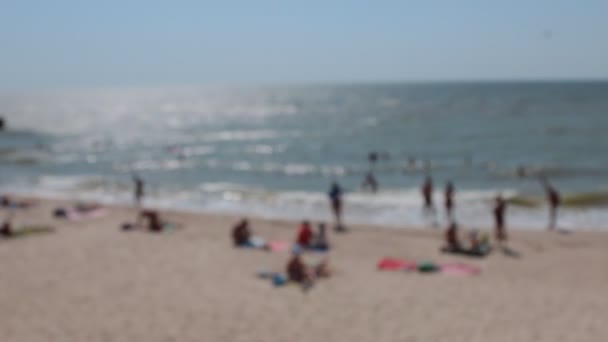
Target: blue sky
x=116, y=43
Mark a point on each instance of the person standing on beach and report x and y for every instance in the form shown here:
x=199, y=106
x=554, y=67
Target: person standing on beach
x=554, y=200
x=449, y=201
x=427, y=195
x=138, y=191
x=335, y=197
x=499, y=218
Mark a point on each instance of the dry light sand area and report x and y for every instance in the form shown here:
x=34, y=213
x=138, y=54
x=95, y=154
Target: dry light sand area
x=89, y=281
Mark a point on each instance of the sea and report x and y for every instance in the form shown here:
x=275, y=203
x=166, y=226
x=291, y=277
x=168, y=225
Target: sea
x=272, y=151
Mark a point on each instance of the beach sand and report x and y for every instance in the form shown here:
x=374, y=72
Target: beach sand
x=89, y=281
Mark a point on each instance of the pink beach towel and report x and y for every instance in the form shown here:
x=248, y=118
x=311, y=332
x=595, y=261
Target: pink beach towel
x=392, y=264
x=278, y=246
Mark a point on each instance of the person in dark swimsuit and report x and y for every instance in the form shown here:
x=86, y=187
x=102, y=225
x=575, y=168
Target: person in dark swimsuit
x=449, y=201
x=335, y=198
x=554, y=199
x=499, y=218
x=138, y=192
x=241, y=233
x=427, y=195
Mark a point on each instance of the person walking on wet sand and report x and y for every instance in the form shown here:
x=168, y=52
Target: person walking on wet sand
x=449, y=201
x=335, y=197
x=427, y=195
x=138, y=191
x=554, y=200
x=500, y=206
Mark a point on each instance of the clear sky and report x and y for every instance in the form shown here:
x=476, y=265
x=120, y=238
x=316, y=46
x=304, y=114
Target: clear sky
x=104, y=43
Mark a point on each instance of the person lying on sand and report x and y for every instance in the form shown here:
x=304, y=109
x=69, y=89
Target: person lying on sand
x=299, y=272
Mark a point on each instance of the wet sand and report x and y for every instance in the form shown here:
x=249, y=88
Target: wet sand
x=89, y=281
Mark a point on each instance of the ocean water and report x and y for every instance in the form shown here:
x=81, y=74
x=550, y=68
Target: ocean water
x=273, y=151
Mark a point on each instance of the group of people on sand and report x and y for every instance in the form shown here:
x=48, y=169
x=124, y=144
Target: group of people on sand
x=498, y=212
x=146, y=218
x=296, y=269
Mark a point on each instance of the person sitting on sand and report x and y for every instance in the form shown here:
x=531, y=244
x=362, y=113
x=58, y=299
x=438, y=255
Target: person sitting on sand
x=155, y=224
x=6, y=229
x=320, y=239
x=241, y=233
x=304, y=237
x=299, y=272
x=451, y=237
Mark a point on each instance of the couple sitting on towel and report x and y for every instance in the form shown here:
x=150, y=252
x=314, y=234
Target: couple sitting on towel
x=477, y=246
x=308, y=240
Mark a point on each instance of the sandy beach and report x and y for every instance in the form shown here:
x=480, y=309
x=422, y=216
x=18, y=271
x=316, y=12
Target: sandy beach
x=89, y=281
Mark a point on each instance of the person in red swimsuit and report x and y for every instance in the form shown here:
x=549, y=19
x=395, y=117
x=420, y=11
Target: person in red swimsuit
x=304, y=234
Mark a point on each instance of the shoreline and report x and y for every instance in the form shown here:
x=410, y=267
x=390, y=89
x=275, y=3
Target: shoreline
x=66, y=197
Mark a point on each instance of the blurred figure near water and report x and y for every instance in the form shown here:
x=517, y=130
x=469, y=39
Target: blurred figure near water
x=449, y=201
x=335, y=198
x=138, y=191
x=553, y=199
x=427, y=196
x=370, y=182
x=500, y=206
